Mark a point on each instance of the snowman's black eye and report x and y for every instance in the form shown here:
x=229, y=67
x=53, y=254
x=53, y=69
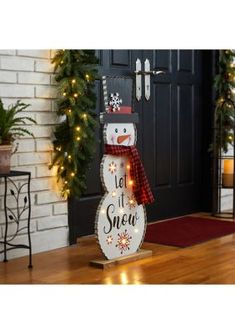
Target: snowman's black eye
x=116, y=130
x=124, y=130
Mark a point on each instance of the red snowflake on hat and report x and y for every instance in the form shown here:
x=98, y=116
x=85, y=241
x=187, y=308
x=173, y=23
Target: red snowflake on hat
x=123, y=242
x=112, y=167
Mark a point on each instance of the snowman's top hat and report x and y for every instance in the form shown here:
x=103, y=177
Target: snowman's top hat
x=118, y=100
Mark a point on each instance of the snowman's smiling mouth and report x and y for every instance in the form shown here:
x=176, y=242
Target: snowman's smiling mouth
x=121, y=139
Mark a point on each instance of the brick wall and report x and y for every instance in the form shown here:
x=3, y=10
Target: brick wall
x=28, y=75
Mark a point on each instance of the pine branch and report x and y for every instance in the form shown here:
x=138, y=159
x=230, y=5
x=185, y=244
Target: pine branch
x=225, y=101
x=74, y=143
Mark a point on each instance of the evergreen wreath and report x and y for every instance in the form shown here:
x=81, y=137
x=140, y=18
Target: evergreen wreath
x=225, y=101
x=74, y=143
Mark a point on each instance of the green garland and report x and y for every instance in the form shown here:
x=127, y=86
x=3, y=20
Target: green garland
x=74, y=144
x=225, y=102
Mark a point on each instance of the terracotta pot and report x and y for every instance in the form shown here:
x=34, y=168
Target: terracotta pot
x=5, y=158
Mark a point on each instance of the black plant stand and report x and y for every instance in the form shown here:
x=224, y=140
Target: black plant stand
x=15, y=217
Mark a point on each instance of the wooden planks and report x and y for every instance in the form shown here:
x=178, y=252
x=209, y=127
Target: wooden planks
x=105, y=264
x=212, y=262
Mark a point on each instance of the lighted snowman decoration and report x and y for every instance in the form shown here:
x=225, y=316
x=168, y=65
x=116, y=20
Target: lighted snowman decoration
x=120, y=221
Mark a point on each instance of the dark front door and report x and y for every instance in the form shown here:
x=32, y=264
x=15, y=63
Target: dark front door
x=170, y=134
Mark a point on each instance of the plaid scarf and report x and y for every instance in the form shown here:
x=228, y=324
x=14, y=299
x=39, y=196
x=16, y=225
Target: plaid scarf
x=141, y=188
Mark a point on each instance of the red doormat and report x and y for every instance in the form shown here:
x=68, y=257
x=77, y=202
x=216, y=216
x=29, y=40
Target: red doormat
x=187, y=231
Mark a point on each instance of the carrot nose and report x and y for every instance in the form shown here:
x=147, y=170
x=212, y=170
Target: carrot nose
x=121, y=139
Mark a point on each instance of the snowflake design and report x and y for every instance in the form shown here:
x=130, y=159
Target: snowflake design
x=109, y=239
x=112, y=167
x=131, y=201
x=115, y=102
x=123, y=242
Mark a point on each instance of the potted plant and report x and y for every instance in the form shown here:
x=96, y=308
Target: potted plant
x=11, y=129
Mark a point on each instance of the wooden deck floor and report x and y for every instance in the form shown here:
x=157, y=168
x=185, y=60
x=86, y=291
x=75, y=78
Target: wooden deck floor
x=206, y=263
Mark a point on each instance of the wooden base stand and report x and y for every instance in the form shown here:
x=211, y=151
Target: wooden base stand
x=105, y=264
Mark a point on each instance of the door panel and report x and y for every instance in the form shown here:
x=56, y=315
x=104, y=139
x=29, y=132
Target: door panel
x=162, y=60
x=168, y=135
x=185, y=61
x=185, y=132
x=175, y=174
x=162, y=124
x=120, y=57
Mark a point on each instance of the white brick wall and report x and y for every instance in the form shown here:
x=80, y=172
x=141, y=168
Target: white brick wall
x=28, y=75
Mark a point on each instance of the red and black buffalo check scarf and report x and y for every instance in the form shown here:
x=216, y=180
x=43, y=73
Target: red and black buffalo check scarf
x=141, y=188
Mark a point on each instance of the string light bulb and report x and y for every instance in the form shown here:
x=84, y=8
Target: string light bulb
x=78, y=128
x=62, y=167
x=72, y=174
x=69, y=111
x=128, y=167
x=78, y=138
x=73, y=81
x=75, y=95
x=113, y=193
x=87, y=77
x=131, y=182
x=69, y=157
x=64, y=94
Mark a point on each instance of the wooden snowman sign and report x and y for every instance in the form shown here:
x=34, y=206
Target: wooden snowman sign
x=120, y=220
